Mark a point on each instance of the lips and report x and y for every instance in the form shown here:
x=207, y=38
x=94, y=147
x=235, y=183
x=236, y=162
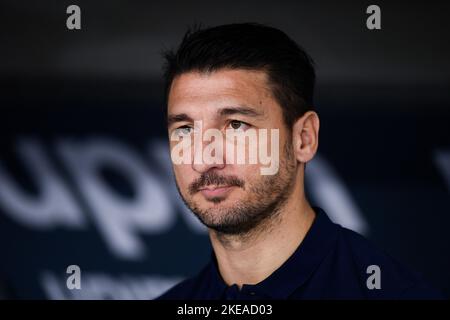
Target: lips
x=215, y=191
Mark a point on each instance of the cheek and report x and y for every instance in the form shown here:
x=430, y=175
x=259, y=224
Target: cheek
x=248, y=172
x=183, y=174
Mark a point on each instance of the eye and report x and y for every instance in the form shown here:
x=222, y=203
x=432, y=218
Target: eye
x=238, y=125
x=183, y=131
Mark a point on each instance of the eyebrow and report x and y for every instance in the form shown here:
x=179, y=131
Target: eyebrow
x=173, y=118
x=242, y=110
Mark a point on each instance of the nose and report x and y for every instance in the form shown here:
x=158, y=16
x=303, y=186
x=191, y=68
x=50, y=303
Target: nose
x=208, y=153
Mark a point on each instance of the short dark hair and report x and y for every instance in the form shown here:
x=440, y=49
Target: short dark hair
x=249, y=46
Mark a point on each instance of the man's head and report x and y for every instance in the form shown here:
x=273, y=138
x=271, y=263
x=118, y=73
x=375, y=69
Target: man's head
x=238, y=78
x=249, y=46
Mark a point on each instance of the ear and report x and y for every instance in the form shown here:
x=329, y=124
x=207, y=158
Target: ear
x=305, y=136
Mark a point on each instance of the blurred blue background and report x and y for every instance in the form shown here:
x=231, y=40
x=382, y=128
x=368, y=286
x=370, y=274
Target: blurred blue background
x=85, y=174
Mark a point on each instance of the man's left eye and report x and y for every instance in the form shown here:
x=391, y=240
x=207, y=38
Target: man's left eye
x=238, y=125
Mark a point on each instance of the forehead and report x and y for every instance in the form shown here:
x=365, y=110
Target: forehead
x=195, y=91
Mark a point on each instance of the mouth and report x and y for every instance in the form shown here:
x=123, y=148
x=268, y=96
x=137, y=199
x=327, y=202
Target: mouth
x=215, y=191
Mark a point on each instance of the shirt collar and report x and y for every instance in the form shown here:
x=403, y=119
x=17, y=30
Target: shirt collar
x=296, y=270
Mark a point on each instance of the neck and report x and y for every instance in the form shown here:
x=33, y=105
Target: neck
x=251, y=258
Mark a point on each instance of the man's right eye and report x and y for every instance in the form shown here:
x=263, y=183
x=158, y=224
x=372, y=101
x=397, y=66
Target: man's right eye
x=183, y=131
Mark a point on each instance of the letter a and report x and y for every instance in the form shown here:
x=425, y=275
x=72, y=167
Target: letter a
x=374, y=280
x=74, y=20
x=374, y=20
x=74, y=280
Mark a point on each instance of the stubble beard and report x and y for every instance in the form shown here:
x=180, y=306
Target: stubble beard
x=257, y=212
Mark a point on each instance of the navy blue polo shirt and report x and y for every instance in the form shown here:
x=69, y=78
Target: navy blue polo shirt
x=331, y=263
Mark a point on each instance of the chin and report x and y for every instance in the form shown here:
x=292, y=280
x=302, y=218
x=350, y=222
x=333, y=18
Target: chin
x=211, y=204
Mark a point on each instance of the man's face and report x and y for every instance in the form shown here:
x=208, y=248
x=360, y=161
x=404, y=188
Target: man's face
x=228, y=197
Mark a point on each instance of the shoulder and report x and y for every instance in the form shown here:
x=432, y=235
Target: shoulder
x=186, y=289
x=181, y=291
x=394, y=279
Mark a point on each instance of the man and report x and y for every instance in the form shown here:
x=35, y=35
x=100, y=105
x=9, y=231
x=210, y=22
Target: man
x=268, y=242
